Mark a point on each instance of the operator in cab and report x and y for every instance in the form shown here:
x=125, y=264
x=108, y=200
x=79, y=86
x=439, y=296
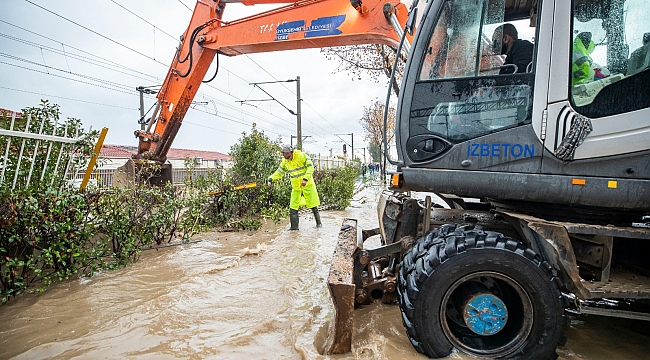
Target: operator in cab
x=639, y=57
x=298, y=166
x=518, y=52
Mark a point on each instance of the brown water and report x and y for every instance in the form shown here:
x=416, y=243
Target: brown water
x=256, y=295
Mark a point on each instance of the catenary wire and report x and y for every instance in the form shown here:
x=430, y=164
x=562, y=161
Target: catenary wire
x=88, y=60
x=261, y=67
x=213, y=87
x=67, y=98
x=142, y=54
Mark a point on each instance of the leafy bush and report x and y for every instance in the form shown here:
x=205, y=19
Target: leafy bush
x=336, y=186
x=44, y=238
x=50, y=231
x=255, y=157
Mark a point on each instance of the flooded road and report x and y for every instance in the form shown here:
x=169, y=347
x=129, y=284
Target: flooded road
x=240, y=295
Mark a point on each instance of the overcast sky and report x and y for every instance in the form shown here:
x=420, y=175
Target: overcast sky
x=91, y=69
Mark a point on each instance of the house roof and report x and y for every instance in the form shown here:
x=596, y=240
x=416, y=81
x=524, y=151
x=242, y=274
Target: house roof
x=117, y=151
x=9, y=113
x=205, y=155
x=125, y=151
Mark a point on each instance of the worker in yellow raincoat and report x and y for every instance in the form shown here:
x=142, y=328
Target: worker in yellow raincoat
x=581, y=65
x=298, y=166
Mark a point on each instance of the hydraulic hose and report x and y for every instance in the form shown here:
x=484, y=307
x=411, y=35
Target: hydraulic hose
x=192, y=38
x=190, y=52
x=215, y=72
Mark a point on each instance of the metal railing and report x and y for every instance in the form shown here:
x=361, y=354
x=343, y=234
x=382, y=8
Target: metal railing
x=103, y=178
x=326, y=162
x=29, y=155
x=179, y=176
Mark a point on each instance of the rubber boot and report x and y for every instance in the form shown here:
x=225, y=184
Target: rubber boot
x=293, y=216
x=317, y=217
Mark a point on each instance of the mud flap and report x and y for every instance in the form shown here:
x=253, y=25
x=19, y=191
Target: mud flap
x=342, y=289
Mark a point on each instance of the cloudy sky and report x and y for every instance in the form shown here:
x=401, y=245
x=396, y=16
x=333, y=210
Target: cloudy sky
x=89, y=56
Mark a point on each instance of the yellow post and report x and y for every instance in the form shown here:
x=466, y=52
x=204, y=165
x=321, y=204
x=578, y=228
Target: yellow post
x=93, y=159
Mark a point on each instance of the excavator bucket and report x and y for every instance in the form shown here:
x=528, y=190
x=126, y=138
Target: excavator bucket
x=342, y=289
x=134, y=171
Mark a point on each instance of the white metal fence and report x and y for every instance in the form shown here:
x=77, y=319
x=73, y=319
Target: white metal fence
x=326, y=162
x=104, y=177
x=29, y=155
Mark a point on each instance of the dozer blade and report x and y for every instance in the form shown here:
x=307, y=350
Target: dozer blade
x=342, y=289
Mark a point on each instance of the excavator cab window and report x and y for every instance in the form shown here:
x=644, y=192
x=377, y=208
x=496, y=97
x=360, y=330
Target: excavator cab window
x=606, y=79
x=466, y=86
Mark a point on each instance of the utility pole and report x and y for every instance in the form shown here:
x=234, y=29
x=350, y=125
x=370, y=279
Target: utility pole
x=298, y=111
x=298, y=114
x=143, y=90
x=295, y=137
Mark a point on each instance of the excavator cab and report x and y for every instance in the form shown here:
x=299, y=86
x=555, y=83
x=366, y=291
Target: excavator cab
x=573, y=109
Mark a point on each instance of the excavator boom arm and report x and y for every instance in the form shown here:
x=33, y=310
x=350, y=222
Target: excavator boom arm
x=301, y=25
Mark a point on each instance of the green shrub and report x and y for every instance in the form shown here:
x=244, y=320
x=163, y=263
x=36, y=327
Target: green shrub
x=50, y=231
x=336, y=186
x=256, y=157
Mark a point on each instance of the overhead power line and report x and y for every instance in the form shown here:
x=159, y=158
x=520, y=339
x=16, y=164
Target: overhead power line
x=139, y=53
x=141, y=18
x=305, y=102
x=102, y=81
x=187, y=7
x=84, y=59
x=234, y=120
x=209, y=127
x=65, y=77
x=67, y=98
x=131, y=49
x=77, y=49
x=93, y=31
x=112, y=63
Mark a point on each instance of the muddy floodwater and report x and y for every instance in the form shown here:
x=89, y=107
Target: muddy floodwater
x=259, y=295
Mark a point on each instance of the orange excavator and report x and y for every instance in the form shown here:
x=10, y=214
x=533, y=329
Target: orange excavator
x=301, y=25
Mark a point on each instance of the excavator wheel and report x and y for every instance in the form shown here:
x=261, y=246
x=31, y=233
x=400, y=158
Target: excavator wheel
x=482, y=293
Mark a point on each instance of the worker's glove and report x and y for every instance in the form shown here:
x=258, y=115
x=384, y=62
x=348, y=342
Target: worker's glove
x=269, y=182
x=304, y=182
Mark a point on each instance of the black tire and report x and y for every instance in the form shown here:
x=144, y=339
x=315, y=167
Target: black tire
x=451, y=264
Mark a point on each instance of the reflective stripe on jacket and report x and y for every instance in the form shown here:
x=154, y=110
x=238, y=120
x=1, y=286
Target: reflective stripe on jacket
x=581, y=70
x=298, y=168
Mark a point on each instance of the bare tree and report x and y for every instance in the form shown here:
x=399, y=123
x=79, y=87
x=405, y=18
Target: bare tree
x=372, y=122
x=373, y=61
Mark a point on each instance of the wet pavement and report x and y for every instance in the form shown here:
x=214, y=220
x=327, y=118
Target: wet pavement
x=240, y=295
